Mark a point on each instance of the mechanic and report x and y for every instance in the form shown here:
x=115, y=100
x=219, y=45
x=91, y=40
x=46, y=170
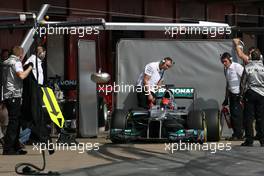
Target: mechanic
x=4, y=54
x=3, y=122
x=253, y=84
x=245, y=58
x=233, y=72
x=41, y=53
x=12, y=89
x=3, y=110
x=150, y=80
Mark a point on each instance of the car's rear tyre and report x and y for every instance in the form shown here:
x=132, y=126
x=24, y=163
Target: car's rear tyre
x=102, y=112
x=196, y=120
x=213, y=124
x=118, y=122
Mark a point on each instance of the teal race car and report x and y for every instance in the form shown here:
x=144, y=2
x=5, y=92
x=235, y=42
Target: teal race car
x=166, y=120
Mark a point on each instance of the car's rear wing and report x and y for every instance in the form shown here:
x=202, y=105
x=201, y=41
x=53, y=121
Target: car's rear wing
x=178, y=92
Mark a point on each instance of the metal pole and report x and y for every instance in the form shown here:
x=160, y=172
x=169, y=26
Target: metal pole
x=29, y=39
x=135, y=26
x=160, y=26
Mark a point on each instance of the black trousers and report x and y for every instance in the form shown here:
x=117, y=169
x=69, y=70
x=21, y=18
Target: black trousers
x=142, y=100
x=236, y=115
x=13, y=106
x=254, y=109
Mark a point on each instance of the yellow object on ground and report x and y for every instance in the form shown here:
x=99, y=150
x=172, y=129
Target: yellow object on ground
x=52, y=106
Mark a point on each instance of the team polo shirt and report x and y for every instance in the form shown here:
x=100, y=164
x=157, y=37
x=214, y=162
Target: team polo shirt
x=152, y=69
x=13, y=85
x=254, y=71
x=233, y=76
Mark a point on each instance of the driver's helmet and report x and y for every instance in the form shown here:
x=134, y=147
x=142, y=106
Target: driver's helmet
x=167, y=100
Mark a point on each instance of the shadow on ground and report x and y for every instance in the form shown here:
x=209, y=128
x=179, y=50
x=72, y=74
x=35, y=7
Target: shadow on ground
x=137, y=161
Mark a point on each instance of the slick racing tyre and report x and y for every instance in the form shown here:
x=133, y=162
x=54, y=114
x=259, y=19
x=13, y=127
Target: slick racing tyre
x=213, y=123
x=196, y=120
x=118, y=125
x=102, y=112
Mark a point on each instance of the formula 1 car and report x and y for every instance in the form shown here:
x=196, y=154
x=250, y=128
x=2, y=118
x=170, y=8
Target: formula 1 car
x=166, y=120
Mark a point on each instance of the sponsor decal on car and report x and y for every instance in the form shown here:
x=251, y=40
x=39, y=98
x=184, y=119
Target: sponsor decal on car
x=177, y=92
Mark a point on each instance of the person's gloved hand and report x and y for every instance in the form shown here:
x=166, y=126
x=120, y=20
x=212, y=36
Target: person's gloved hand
x=225, y=102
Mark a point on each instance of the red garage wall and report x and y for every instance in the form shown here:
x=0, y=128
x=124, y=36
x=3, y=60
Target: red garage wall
x=9, y=38
x=143, y=10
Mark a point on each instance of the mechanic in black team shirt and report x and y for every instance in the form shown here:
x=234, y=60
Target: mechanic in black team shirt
x=245, y=57
x=12, y=88
x=233, y=72
x=253, y=86
x=150, y=79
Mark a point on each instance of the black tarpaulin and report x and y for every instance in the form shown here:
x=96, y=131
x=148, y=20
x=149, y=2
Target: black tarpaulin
x=34, y=116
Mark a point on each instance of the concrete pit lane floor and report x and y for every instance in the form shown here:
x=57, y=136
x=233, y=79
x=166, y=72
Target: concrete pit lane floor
x=221, y=159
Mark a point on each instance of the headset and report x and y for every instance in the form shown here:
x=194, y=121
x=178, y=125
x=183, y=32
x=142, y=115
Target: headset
x=167, y=58
x=162, y=62
x=226, y=55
